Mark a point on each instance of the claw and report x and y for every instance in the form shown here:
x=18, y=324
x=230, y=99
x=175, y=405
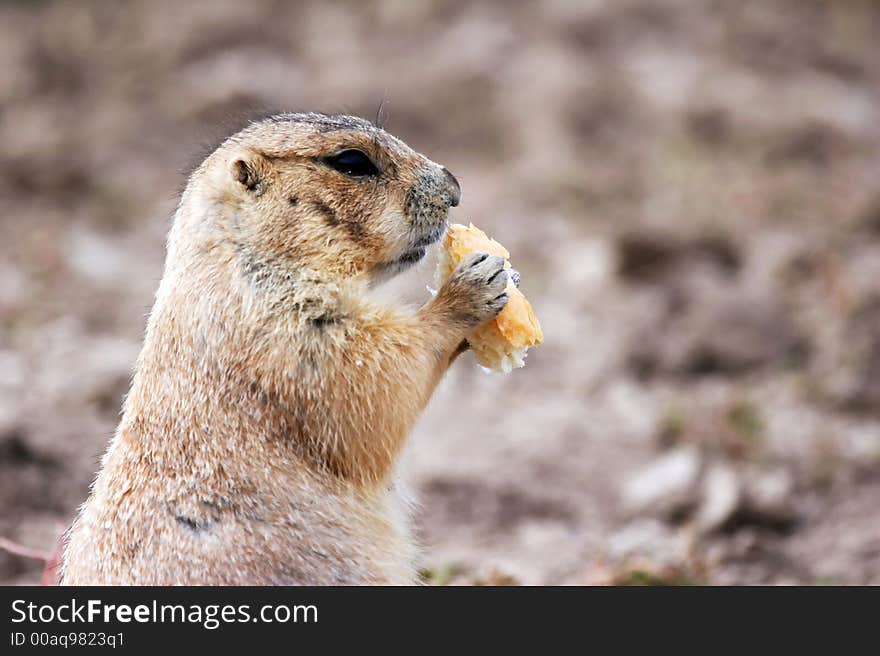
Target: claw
x=495, y=275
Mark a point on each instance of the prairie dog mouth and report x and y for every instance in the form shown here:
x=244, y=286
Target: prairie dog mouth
x=419, y=247
x=413, y=255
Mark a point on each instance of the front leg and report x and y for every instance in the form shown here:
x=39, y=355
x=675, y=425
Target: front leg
x=379, y=370
x=473, y=295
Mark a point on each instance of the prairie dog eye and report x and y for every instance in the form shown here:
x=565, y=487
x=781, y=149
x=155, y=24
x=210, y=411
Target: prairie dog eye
x=352, y=162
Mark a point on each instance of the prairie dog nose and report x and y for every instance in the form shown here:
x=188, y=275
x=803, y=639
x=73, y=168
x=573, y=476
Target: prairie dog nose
x=454, y=188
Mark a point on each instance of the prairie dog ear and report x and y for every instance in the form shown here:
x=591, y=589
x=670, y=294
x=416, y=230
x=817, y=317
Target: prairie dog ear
x=247, y=170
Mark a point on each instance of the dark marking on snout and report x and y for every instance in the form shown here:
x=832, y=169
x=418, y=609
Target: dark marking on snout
x=193, y=525
x=332, y=218
x=329, y=214
x=355, y=229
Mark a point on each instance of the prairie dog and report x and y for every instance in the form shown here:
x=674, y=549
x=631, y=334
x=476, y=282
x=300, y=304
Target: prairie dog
x=272, y=397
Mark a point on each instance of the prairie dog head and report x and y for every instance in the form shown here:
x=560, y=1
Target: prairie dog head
x=332, y=194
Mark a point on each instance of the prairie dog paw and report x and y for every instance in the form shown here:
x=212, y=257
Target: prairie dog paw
x=475, y=291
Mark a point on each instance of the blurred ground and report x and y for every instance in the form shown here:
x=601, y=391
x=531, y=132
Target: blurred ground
x=690, y=191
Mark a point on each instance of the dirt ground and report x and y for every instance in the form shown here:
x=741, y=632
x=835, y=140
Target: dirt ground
x=690, y=191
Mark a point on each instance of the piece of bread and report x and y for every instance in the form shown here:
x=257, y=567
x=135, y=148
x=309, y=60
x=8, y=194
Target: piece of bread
x=501, y=343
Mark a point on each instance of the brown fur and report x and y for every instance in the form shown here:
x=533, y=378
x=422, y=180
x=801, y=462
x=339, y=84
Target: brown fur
x=272, y=397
